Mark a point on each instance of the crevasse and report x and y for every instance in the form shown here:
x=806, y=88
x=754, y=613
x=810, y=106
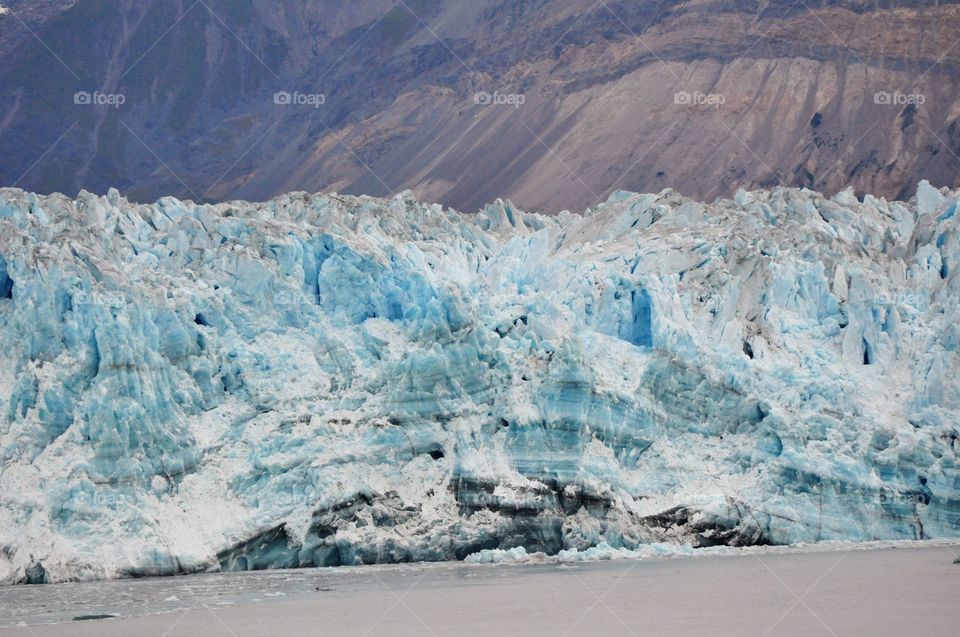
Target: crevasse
x=325, y=380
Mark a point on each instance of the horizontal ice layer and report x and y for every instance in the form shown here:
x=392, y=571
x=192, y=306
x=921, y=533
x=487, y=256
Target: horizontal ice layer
x=324, y=380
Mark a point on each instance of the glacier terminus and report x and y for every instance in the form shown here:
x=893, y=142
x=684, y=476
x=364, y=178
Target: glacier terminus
x=323, y=380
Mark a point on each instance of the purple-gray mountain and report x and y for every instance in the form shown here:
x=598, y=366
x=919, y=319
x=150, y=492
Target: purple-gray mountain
x=553, y=104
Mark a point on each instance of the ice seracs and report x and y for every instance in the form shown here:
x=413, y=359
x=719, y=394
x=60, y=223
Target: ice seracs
x=325, y=380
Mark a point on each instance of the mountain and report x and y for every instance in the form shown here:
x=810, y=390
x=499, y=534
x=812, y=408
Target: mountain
x=325, y=380
x=553, y=104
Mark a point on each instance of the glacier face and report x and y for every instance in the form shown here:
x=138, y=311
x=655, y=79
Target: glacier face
x=325, y=380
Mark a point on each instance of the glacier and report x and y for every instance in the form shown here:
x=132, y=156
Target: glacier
x=325, y=380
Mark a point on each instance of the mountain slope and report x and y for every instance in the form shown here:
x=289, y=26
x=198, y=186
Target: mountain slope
x=598, y=82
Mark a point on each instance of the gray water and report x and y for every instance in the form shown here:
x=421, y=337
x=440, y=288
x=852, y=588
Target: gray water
x=884, y=591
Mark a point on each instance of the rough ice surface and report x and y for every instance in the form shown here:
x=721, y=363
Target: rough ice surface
x=600, y=552
x=325, y=380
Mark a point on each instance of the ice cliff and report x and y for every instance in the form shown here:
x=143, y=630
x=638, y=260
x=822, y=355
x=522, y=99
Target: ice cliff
x=325, y=380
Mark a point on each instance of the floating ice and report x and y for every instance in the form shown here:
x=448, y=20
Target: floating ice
x=325, y=380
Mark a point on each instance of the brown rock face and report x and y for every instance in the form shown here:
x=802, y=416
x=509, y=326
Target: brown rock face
x=553, y=104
